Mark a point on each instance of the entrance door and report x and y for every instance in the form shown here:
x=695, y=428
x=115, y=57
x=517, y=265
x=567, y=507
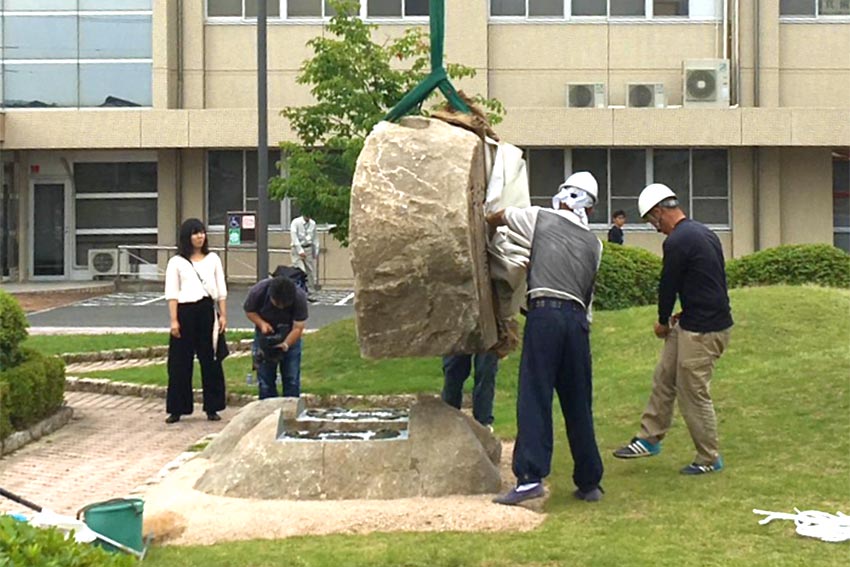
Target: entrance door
x=49, y=231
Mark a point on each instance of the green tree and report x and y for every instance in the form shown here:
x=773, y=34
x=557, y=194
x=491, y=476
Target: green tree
x=355, y=82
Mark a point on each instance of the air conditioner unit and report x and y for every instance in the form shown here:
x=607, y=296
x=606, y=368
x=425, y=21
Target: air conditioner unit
x=104, y=262
x=706, y=83
x=645, y=95
x=586, y=95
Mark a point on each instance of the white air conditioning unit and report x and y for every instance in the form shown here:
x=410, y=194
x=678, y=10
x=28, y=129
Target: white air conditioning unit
x=645, y=95
x=586, y=95
x=104, y=262
x=706, y=83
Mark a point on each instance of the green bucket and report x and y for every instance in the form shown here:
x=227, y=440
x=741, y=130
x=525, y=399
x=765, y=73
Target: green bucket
x=119, y=519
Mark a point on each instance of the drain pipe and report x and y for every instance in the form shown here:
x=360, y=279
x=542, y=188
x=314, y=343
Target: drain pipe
x=756, y=103
x=178, y=162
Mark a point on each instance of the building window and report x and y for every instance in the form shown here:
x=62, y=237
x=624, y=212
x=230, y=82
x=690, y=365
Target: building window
x=232, y=186
x=841, y=198
x=115, y=204
x=86, y=53
x=281, y=10
x=561, y=9
x=700, y=178
x=814, y=8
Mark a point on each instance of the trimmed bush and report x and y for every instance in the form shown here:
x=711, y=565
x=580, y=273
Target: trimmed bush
x=628, y=277
x=33, y=390
x=820, y=264
x=23, y=544
x=13, y=330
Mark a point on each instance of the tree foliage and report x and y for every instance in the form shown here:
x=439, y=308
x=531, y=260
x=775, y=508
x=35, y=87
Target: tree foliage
x=355, y=82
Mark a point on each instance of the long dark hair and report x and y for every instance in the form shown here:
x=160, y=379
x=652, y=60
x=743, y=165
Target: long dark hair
x=184, y=242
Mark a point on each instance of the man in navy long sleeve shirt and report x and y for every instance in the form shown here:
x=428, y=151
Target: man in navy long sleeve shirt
x=694, y=271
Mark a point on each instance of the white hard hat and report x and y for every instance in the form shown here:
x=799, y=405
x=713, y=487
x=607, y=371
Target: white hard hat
x=652, y=195
x=583, y=180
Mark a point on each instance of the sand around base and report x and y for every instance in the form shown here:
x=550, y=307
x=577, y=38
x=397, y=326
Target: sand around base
x=185, y=516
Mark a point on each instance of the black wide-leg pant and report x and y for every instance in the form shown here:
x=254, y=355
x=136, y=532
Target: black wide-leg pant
x=196, y=329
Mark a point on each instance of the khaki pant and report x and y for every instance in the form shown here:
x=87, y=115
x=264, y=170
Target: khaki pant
x=684, y=372
x=308, y=266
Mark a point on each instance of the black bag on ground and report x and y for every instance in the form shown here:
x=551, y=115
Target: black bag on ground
x=297, y=275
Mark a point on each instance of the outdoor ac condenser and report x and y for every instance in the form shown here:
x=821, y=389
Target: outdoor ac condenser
x=103, y=262
x=706, y=83
x=586, y=95
x=645, y=95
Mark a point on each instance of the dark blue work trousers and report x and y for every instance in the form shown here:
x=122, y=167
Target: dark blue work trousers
x=456, y=369
x=556, y=357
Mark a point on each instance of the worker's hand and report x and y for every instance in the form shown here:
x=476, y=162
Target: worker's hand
x=661, y=331
x=222, y=323
x=496, y=219
x=283, y=346
x=265, y=328
x=674, y=320
x=175, y=329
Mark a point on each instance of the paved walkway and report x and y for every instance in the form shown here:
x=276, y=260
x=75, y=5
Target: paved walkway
x=113, y=445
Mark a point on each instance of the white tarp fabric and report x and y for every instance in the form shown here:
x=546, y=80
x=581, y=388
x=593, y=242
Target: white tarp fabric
x=509, y=252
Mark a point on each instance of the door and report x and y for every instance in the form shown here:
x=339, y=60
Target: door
x=49, y=231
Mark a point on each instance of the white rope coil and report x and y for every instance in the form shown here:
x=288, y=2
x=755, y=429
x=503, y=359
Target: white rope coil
x=811, y=523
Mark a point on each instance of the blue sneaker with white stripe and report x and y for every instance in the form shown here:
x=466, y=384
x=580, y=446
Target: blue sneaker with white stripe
x=638, y=448
x=695, y=468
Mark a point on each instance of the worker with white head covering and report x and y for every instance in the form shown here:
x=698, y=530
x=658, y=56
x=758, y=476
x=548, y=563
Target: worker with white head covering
x=694, y=271
x=565, y=257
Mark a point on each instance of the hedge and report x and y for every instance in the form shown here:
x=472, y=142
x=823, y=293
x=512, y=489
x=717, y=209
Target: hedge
x=23, y=544
x=13, y=330
x=820, y=264
x=628, y=276
x=31, y=391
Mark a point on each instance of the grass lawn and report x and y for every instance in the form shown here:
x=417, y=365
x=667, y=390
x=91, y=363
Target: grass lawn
x=60, y=344
x=782, y=393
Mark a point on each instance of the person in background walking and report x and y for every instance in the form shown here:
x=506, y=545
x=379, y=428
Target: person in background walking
x=194, y=283
x=615, y=233
x=304, y=249
x=694, y=271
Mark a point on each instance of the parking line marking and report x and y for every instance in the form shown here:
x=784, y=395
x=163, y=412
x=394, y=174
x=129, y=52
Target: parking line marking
x=149, y=301
x=345, y=300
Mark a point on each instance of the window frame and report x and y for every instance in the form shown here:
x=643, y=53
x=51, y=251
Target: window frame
x=647, y=17
x=309, y=20
x=285, y=203
x=113, y=158
x=77, y=61
x=649, y=153
x=817, y=17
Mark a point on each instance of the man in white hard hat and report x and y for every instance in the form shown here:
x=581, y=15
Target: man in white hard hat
x=565, y=257
x=693, y=270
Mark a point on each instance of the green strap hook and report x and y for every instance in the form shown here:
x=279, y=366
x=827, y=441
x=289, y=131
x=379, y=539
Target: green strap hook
x=438, y=78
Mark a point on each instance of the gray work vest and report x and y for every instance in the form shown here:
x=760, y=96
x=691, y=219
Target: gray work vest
x=564, y=259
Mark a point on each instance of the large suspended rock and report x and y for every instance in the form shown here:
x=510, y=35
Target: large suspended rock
x=418, y=242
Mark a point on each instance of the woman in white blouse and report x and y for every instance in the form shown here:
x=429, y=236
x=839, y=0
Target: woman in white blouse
x=194, y=282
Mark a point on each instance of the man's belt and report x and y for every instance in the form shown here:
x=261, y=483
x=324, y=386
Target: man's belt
x=552, y=303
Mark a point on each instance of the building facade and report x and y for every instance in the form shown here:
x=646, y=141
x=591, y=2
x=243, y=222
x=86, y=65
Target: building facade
x=120, y=118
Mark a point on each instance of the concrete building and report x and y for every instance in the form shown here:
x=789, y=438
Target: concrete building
x=122, y=117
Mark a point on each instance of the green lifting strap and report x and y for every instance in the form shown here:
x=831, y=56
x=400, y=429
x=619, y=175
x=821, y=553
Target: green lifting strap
x=438, y=77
